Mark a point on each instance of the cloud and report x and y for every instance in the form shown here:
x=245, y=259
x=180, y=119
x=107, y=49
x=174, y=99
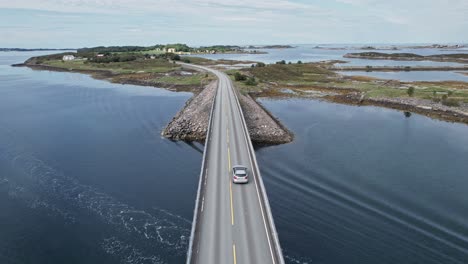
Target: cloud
x=234, y=21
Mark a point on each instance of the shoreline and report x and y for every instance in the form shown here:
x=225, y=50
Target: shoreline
x=398, y=68
x=457, y=58
x=350, y=96
x=108, y=75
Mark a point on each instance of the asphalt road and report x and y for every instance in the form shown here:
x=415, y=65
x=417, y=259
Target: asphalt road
x=232, y=224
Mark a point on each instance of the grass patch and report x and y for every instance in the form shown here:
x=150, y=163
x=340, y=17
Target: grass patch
x=150, y=66
x=195, y=79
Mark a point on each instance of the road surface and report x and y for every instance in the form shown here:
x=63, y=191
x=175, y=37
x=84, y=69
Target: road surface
x=232, y=224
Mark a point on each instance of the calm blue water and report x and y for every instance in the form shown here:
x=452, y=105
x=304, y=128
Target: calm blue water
x=367, y=185
x=308, y=53
x=86, y=178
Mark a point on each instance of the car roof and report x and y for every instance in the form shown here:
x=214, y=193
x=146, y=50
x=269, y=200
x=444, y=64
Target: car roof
x=239, y=167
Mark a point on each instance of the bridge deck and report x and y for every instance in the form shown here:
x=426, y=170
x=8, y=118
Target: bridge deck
x=232, y=223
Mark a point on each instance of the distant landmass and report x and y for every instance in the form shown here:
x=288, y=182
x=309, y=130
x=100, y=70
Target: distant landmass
x=271, y=47
x=21, y=49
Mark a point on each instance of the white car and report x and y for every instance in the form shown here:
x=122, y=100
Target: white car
x=239, y=174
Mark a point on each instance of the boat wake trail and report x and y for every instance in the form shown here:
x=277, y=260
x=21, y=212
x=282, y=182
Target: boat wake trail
x=138, y=236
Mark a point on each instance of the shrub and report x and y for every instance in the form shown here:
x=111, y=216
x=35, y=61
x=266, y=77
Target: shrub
x=450, y=102
x=449, y=93
x=281, y=62
x=410, y=91
x=407, y=68
x=239, y=76
x=261, y=64
x=251, y=81
x=175, y=57
x=186, y=60
x=368, y=68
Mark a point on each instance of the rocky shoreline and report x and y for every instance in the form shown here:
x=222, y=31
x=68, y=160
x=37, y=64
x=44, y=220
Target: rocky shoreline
x=458, y=57
x=191, y=122
x=414, y=105
x=143, y=79
x=264, y=128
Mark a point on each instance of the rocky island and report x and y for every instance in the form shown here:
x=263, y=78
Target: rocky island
x=458, y=57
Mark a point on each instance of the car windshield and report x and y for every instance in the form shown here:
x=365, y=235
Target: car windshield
x=241, y=173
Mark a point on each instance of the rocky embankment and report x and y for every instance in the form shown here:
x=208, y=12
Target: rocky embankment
x=191, y=123
x=263, y=127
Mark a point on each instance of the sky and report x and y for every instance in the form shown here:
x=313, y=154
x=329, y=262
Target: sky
x=86, y=23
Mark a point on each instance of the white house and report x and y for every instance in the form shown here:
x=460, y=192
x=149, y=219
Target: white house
x=68, y=58
x=171, y=50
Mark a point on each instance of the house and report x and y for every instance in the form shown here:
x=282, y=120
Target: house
x=152, y=57
x=68, y=58
x=171, y=50
x=100, y=55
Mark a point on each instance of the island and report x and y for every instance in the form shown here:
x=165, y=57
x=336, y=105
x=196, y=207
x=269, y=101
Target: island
x=270, y=47
x=457, y=57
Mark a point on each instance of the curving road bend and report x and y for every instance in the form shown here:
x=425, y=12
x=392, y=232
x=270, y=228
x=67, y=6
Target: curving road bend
x=231, y=223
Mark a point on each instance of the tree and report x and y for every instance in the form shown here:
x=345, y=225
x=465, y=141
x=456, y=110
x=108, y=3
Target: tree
x=175, y=57
x=299, y=62
x=410, y=91
x=281, y=62
x=261, y=64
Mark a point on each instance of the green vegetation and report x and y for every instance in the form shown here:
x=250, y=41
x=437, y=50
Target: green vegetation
x=194, y=79
x=124, y=64
x=239, y=76
x=410, y=91
x=301, y=78
x=138, y=65
x=251, y=81
x=458, y=57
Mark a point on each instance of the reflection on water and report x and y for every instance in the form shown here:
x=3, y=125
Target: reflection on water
x=367, y=185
